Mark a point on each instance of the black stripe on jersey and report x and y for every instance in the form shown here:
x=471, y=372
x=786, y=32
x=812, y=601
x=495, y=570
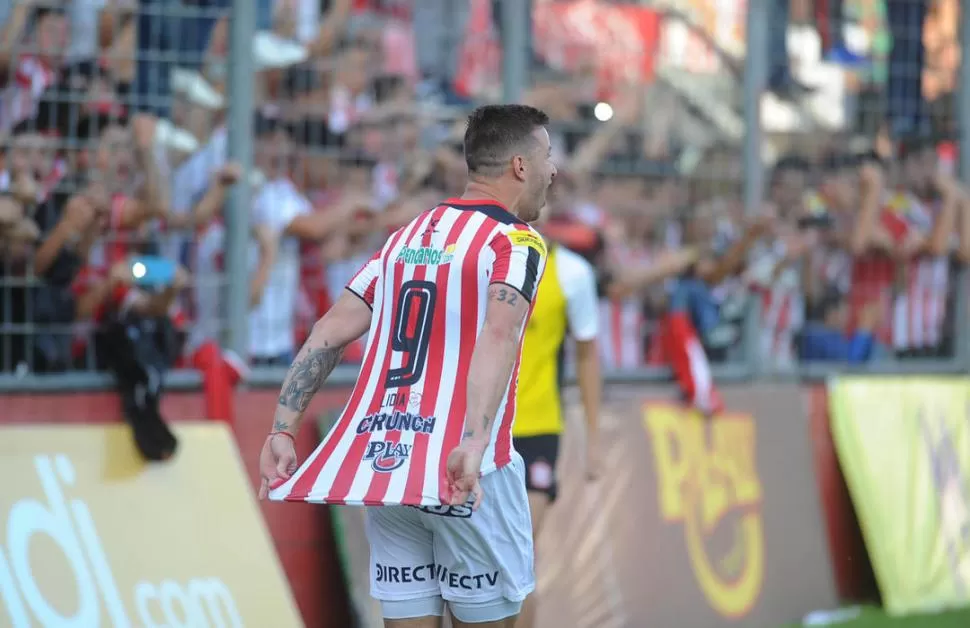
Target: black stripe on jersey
x=561, y=366
x=531, y=274
x=495, y=212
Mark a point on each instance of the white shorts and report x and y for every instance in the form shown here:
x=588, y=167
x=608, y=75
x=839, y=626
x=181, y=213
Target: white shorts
x=449, y=551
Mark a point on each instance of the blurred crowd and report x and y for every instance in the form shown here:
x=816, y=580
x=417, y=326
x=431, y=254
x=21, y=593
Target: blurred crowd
x=114, y=180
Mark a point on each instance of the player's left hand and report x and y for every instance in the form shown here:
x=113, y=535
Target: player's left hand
x=277, y=462
x=463, y=471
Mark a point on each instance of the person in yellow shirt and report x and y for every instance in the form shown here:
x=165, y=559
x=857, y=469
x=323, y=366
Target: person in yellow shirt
x=566, y=305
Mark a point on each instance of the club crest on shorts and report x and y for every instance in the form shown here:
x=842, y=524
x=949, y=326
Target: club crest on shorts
x=385, y=455
x=540, y=474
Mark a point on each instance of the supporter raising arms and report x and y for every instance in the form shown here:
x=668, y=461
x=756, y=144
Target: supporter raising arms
x=283, y=218
x=32, y=47
x=902, y=242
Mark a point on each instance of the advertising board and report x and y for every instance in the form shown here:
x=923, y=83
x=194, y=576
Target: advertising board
x=691, y=522
x=904, y=447
x=90, y=535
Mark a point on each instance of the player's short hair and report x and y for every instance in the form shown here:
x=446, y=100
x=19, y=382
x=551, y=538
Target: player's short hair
x=495, y=132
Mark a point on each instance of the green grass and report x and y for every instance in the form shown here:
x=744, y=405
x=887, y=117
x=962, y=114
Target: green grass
x=877, y=618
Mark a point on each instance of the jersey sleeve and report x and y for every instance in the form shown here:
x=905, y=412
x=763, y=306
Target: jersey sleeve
x=520, y=257
x=578, y=279
x=364, y=283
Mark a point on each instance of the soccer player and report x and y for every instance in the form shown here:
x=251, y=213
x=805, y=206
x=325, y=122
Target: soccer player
x=427, y=432
x=566, y=304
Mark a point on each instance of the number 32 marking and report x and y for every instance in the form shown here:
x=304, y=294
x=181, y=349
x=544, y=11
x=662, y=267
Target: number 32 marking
x=507, y=296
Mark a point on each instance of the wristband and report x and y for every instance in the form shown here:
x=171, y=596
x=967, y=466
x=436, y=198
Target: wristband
x=287, y=434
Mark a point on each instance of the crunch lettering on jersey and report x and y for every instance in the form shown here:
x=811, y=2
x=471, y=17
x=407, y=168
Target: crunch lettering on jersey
x=427, y=288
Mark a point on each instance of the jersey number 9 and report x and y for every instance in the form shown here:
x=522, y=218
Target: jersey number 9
x=411, y=334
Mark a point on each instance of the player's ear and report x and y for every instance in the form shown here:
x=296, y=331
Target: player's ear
x=518, y=167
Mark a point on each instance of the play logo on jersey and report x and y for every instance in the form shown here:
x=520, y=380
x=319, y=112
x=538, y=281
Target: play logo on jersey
x=385, y=455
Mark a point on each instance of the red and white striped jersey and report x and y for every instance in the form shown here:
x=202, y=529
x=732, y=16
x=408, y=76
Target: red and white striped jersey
x=919, y=309
x=624, y=328
x=18, y=100
x=911, y=294
x=624, y=332
x=427, y=288
x=782, y=303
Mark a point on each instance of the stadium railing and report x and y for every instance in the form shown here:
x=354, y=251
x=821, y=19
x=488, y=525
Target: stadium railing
x=694, y=73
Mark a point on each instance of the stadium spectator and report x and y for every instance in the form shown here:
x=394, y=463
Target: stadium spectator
x=827, y=337
x=284, y=217
x=775, y=271
x=32, y=45
x=354, y=149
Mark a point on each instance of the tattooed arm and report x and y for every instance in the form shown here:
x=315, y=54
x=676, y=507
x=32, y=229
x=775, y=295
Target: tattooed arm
x=346, y=321
x=493, y=359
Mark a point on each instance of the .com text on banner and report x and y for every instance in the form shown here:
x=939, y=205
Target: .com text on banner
x=904, y=447
x=92, y=536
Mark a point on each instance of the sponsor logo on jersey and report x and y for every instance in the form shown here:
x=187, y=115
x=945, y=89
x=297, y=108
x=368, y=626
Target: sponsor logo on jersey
x=386, y=456
x=396, y=399
x=403, y=421
x=433, y=572
x=529, y=239
x=426, y=255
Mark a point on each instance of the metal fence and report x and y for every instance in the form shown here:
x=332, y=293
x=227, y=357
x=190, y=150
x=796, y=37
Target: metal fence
x=128, y=130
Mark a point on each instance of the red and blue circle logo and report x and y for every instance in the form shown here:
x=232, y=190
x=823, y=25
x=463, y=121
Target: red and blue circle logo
x=386, y=456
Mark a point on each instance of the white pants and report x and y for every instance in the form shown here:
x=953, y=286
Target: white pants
x=452, y=552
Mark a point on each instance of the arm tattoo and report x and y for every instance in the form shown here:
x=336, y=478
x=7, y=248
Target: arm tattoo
x=486, y=427
x=306, y=376
x=507, y=296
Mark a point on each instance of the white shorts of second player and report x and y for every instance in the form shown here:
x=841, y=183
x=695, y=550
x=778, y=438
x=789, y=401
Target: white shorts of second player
x=452, y=552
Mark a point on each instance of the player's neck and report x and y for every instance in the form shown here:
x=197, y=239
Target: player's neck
x=475, y=191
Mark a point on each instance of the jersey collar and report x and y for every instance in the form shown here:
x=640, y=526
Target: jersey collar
x=491, y=208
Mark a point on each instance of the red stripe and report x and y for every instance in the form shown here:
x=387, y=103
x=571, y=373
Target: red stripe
x=369, y=292
x=466, y=346
x=897, y=227
x=414, y=490
x=351, y=463
x=377, y=491
x=912, y=302
x=503, y=441
x=927, y=313
x=302, y=487
x=616, y=329
x=503, y=254
x=782, y=323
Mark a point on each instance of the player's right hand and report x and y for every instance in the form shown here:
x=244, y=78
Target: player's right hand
x=277, y=462
x=464, y=469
